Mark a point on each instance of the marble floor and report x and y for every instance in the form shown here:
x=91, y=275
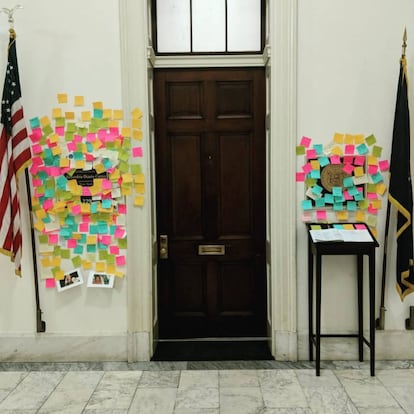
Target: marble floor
x=266, y=387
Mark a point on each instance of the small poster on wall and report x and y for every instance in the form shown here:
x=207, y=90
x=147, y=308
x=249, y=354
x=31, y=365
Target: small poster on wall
x=70, y=280
x=100, y=280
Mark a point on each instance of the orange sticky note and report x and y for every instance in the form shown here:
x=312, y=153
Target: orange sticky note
x=70, y=115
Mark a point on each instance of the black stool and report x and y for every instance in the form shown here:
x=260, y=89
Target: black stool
x=358, y=249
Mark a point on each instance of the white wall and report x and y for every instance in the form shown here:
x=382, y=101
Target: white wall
x=348, y=65
x=71, y=47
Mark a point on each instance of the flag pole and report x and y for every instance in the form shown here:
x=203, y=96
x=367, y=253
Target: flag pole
x=40, y=325
x=380, y=322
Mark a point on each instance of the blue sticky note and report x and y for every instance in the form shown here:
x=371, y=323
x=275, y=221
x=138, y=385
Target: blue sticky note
x=337, y=191
x=362, y=149
x=34, y=123
x=98, y=113
x=376, y=178
x=353, y=191
x=317, y=189
x=91, y=248
x=315, y=174
x=329, y=199
x=318, y=148
x=78, y=249
x=324, y=161
x=320, y=202
x=338, y=226
x=348, y=182
x=94, y=207
x=107, y=203
x=307, y=204
x=102, y=228
x=351, y=206
x=338, y=206
x=61, y=182
x=358, y=197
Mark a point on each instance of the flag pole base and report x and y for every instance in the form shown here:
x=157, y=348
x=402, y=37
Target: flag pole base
x=380, y=322
x=409, y=323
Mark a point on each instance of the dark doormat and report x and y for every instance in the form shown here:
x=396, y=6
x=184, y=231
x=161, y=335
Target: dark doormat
x=212, y=351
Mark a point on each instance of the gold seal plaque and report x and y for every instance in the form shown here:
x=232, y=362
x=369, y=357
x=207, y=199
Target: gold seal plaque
x=332, y=175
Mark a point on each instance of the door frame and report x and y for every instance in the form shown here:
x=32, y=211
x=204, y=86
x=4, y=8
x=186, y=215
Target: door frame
x=280, y=60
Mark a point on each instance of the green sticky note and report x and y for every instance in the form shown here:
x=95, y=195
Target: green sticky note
x=136, y=169
x=103, y=254
x=300, y=150
x=370, y=140
x=363, y=204
x=65, y=253
x=77, y=261
x=122, y=243
x=376, y=151
x=47, y=130
x=43, y=239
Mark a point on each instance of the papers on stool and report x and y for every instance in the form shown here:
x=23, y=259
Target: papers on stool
x=338, y=235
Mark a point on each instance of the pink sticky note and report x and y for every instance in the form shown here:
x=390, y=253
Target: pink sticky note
x=71, y=146
x=335, y=159
x=383, y=165
x=307, y=168
x=122, y=208
x=37, y=161
x=86, y=218
x=77, y=138
x=86, y=191
x=300, y=177
x=36, y=135
x=349, y=149
x=305, y=141
x=114, y=249
x=84, y=227
x=53, y=239
x=120, y=260
x=119, y=233
x=89, y=157
x=359, y=160
x=91, y=137
x=372, y=210
x=321, y=214
x=348, y=159
x=76, y=209
x=372, y=169
x=360, y=226
x=72, y=243
x=347, y=196
x=60, y=130
x=50, y=283
x=137, y=151
x=106, y=184
x=36, y=182
x=348, y=168
x=106, y=240
x=48, y=204
x=371, y=196
x=311, y=154
x=36, y=149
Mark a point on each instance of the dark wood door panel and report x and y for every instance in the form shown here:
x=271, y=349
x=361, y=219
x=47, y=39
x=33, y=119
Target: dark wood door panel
x=210, y=173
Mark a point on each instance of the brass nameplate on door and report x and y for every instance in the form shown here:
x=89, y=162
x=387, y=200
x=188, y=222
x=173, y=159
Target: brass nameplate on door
x=212, y=250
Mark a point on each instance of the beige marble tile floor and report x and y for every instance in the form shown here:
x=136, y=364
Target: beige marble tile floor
x=161, y=388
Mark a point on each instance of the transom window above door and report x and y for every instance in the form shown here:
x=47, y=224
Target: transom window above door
x=208, y=26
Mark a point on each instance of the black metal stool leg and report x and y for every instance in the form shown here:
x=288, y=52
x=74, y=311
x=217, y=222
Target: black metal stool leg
x=360, y=271
x=318, y=312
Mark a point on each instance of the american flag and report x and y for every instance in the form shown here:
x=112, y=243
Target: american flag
x=14, y=158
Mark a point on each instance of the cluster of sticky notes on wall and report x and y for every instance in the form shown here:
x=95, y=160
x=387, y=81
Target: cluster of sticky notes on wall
x=344, y=178
x=84, y=165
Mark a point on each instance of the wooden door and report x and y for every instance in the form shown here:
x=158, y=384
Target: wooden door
x=210, y=180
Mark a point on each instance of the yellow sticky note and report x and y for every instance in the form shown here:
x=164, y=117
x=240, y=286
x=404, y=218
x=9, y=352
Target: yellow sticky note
x=113, y=123
x=126, y=132
x=381, y=187
x=62, y=98
x=359, y=139
x=85, y=208
x=70, y=115
x=99, y=168
x=136, y=113
x=86, y=116
x=100, y=266
x=114, y=176
x=374, y=232
x=57, y=113
x=91, y=239
x=376, y=204
x=118, y=114
x=359, y=171
x=336, y=151
x=342, y=215
x=118, y=273
x=107, y=113
x=348, y=226
x=137, y=134
x=53, y=138
x=39, y=226
x=44, y=121
x=97, y=105
x=56, y=150
x=80, y=164
x=136, y=123
x=110, y=268
x=125, y=191
x=40, y=214
x=64, y=162
x=371, y=160
x=55, y=261
x=140, y=188
x=139, y=179
x=360, y=216
x=86, y=264
x=138, y=201
x=59, y=274
x=78, y=100
x=46, y=261
x=338, y=138
x=349, y=139
x=315, y=164
x=127, y=178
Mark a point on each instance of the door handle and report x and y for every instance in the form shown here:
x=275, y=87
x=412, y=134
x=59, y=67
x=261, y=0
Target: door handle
x=163, y=252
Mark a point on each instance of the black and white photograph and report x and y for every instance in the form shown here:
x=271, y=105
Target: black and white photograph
x=70, y=280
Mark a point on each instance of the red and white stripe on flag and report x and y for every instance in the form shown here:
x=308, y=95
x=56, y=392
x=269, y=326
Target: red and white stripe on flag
x=15, y=156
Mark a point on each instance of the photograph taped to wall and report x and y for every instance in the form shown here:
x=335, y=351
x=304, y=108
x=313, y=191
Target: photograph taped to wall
x=71, y=279
x=100, y=280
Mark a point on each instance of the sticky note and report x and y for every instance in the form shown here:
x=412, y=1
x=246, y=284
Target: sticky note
x=310, y=154
x=137, y=151
x=138, y=201
x=383, y=165
x=120, y=260
x=359, y=160
x=306, y=204
x=62, y=98
x=305, y=141
x=362, y=149
x=370, y=140
x=300, y=177
x=338, y=138
x=50, y=283
x=321, y=215
x=78, y=100
x=349, y=149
